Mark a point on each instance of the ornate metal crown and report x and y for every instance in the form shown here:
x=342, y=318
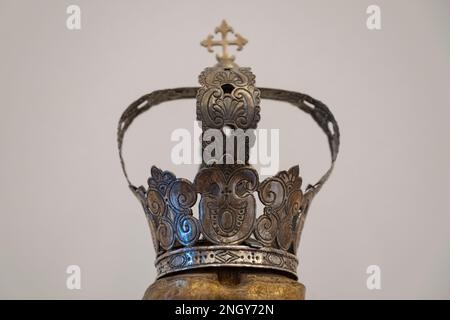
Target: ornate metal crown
x=228, y=231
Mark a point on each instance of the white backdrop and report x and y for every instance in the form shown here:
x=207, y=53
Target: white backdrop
x=64, y=202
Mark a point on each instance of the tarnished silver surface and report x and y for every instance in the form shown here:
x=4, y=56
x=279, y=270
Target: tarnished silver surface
x=227, y=208
x=168, y=201
x=315, y=108
x=227, y=212
x=228, y=97
x=227, y=230
x=282, y=198
x=226, y=256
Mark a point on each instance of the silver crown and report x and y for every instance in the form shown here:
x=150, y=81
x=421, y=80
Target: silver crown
x=228, y=231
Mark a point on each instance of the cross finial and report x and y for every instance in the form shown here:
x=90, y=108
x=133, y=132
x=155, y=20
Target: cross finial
x=225, y=59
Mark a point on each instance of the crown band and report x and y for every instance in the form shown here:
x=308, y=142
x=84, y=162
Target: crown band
x=225, y=256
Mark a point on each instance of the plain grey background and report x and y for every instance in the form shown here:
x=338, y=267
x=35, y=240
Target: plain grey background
x=63, y=199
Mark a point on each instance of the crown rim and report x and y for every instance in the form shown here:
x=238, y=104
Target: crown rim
x=189, y=258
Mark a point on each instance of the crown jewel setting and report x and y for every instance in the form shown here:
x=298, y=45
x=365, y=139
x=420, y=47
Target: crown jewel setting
x=213, y=221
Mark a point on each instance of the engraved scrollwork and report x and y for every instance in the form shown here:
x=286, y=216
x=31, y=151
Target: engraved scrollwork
x=218, y=256
x=160, y=180
x=182, y=195
x=228, y=97
x=178, y=261
x=266, y=229
x=165, y=233
x=169, y=200
x=282, y=198
x=214, y=77
x=187, y=229
x=227, y=206
x=272, y=193
x=155, y=203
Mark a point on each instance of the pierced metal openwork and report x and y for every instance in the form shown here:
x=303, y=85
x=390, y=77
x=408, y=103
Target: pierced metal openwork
x=213, y=221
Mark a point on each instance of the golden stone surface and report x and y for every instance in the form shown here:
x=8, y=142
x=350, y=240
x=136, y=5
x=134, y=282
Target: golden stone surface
x=226, y=284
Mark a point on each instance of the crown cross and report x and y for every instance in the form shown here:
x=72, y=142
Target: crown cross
x=225, y=59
